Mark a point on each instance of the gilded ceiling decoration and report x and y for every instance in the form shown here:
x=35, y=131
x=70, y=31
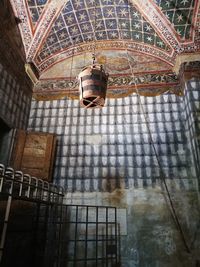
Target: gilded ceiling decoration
x=131, y=37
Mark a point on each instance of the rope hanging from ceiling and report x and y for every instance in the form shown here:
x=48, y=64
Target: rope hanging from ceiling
x=168, y=197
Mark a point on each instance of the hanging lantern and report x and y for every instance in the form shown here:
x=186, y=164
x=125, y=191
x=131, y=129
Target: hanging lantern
x=92, y=86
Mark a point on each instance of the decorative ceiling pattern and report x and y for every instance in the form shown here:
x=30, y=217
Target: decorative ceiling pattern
x=56, y=32
x=180, y=15
x=115, y=62
x=150, y=84
x=77, y=24
x=35, y=8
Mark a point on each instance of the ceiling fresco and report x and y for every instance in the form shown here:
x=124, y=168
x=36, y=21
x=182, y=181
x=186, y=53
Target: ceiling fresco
x=35, y=8
x=130, y=37
x=76, y=24
x=180, y=15
x=115, y=63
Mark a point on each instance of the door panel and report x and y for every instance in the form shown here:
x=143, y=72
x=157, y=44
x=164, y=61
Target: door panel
x=34, y=153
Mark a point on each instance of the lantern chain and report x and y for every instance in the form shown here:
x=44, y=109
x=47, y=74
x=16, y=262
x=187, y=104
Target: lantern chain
x=94, y=33
x=72, y=60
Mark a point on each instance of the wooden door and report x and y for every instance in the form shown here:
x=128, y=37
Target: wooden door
x=33, y=153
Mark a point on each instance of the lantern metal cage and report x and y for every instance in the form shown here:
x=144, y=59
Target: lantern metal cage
x=92, y=86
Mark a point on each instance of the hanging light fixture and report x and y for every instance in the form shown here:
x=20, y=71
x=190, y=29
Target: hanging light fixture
x=93, y=86
x=93, y=81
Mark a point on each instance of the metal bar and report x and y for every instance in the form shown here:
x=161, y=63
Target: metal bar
x=35, y=229
x=90, y=222
x=90, y=206
x=59, y=236
x=86, y=237
x=97, y=211
x=27, y=199
x=36, y=189
x=7, y=213
x=18, y=186
x=116, y=259
x=75, y=243
x=119, y=243
x=106, y=237
x=46, y=216
x=5, y=226
x=90, y=259
x=29, y=188
x=41, y=185
x=2, y=171
x=92, y=240
x=19, y=176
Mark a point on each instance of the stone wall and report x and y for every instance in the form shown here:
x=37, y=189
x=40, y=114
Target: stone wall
x=105, y=157
x=14, y=102
x=148, y=234
x=192, y=103
x=15, y=87
x=101, y=150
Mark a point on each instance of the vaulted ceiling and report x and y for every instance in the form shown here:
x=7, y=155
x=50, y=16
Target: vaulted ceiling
x=137, y=41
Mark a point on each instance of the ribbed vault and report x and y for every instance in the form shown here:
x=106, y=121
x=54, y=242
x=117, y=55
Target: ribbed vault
x=156, y=31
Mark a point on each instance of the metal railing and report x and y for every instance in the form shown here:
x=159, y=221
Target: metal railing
x=23, y=186
x=15, y=185
x=85, y=236
x=61, y=235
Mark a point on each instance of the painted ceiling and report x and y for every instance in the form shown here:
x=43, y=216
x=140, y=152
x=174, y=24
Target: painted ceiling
x=135, y=41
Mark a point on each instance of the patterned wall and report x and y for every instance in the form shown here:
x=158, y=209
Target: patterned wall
x=192, y=97
x=113, y=20
x=15, y=103
x=101, y=150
